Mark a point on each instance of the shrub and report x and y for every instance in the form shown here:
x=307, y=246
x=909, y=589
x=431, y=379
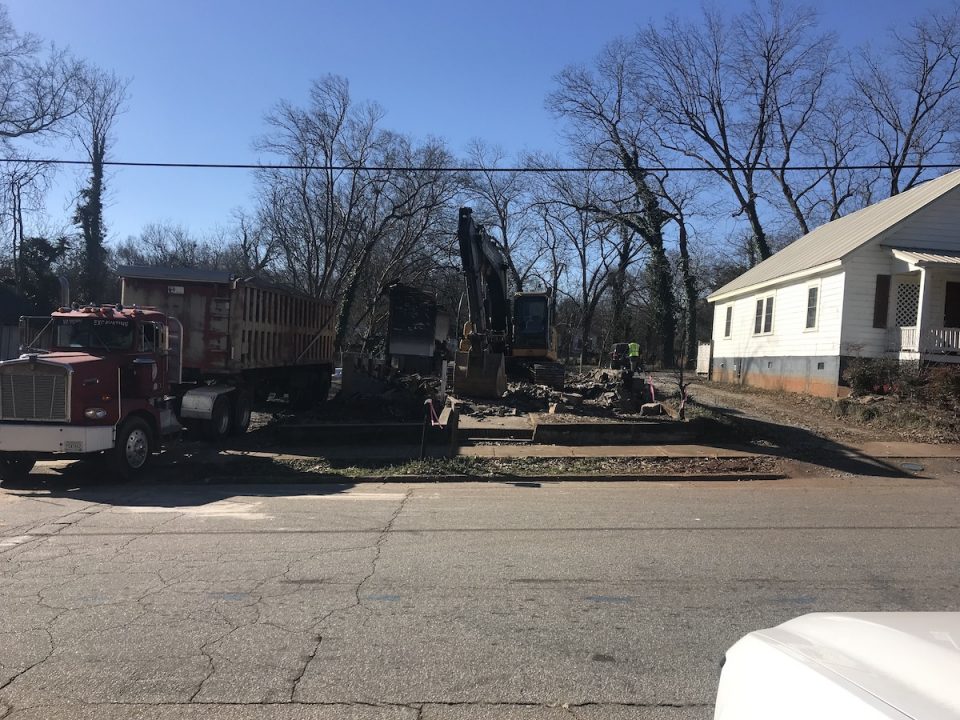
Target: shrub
x=943, y=385
x=910, y=382
x=872, y=375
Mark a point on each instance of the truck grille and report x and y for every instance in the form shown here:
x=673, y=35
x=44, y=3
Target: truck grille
x=33, y=391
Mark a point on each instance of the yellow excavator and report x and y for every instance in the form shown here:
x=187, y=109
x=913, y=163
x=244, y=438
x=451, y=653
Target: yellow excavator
x=504, y=335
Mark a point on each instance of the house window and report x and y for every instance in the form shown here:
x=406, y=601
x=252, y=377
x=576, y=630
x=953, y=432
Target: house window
x=763, y=320
x=813, y=297
x=728, y=321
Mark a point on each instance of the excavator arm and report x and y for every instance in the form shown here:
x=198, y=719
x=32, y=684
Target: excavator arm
x=485, y=275
x=479, y=367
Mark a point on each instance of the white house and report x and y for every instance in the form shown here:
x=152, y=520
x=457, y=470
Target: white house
x=881, y=282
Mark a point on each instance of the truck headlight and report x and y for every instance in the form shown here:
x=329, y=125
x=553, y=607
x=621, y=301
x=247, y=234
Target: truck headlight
x=95, y=413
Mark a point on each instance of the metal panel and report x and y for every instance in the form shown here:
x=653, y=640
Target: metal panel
x=57, y=438
x=240, y=325
x=33, y=391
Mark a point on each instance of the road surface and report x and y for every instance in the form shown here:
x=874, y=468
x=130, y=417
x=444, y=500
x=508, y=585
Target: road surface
x=499, y=600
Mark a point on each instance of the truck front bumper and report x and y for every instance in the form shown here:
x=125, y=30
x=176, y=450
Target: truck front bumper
x=36, y=438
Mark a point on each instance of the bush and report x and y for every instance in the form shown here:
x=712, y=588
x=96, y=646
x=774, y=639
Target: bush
x=943, y=385
x=872, y=375
x=910, y=382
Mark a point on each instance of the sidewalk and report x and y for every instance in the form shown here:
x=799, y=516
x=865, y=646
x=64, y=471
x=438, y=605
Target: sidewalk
x=879, y=450
x=906, y=450
x=602, y=451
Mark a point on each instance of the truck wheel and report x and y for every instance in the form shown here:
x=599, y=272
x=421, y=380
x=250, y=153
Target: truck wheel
x=218, y=426
x=15, y=466
x=242, y=405
x=132, y=451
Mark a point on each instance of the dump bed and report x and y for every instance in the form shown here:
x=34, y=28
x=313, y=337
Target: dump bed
x=231, y=325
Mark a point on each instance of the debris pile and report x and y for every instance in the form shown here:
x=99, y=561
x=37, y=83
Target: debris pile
x=386, y=399
x=597, y=393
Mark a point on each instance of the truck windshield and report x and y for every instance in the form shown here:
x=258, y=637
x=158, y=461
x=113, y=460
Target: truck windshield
x=93, y=333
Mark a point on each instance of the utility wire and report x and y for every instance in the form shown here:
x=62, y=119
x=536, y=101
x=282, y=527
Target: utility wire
x=414, y=168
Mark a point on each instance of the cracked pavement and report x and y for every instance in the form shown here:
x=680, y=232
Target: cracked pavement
x=429, y=601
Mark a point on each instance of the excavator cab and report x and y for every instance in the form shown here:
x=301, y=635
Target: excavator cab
x=533, y=346
x=532, y=329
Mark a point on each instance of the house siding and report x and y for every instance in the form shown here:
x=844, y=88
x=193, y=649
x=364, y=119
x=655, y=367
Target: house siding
x=790, y=357
x=932, y=228
x=858, y=336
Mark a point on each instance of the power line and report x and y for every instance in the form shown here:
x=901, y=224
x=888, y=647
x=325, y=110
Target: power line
x=414, y=168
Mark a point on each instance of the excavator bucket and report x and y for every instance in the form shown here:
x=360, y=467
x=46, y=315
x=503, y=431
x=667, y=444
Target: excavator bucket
x=481, y=376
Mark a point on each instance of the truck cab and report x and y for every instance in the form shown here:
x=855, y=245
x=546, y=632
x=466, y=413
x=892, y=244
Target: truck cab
x=91, y=380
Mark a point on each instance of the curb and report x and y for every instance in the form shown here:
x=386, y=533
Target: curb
x=502, y=479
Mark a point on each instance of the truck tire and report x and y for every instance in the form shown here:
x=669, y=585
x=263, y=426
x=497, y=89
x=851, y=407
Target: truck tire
x=15, y=466
x=240, y=407
x=218, y=426
x=131, y=454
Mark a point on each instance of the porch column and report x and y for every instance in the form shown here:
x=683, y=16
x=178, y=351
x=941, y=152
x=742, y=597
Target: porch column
x=923, y=310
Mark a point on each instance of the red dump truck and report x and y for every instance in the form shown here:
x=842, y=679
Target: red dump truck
x=183, y=347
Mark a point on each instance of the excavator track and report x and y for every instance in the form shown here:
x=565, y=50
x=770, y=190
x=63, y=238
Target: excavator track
x=549, y=374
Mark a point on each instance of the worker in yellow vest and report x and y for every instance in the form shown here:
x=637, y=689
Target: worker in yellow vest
x=634, y=352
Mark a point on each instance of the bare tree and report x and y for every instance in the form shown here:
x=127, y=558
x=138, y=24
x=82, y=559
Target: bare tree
x=909, y=95
x=357, y=188
x=564, y=202
x=839, y=143
x=255, y=250
x=395, y=198
x=311, y=212
x=611, y=121
x=172, y=245
x=731, y=92
x=25, y=185
x=37, y=89
x=102, y=97
x=552, y=252
x=500, y=199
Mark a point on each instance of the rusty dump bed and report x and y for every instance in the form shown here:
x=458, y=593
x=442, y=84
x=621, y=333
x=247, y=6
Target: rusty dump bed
x=231, y=324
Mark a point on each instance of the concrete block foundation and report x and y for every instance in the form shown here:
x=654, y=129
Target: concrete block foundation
x=814, y=375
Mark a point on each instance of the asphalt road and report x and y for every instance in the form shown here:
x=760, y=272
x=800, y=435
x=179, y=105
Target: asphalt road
x=439, y=601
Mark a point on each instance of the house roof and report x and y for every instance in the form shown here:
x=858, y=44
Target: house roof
x=923, y=257
x=834, y=240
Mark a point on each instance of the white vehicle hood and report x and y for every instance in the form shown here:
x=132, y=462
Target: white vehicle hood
x=890, y=664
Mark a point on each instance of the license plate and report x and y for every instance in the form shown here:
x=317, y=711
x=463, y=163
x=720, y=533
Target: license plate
x=73, y=446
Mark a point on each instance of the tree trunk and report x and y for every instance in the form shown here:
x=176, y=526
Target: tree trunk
x=662, y=304
x=90, y=218
x=17, y=234
x=350, y=293
x=759, y=236
x=690, y=292
x=794, y=205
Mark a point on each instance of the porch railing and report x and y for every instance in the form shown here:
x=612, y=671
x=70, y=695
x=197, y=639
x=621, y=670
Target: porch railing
x=902, y=338
x=941, y=340
x=932, y=340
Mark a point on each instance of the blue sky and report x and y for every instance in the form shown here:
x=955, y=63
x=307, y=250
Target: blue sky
x=205, y=72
